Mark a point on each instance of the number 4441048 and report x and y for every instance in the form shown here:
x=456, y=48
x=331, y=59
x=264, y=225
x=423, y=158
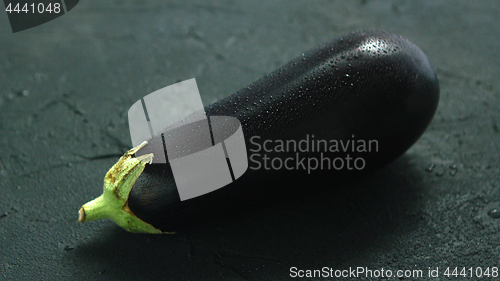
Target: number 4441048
x=34, y=8
x=471, y=272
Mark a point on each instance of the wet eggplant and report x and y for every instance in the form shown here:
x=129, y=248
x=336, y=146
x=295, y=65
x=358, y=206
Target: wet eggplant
x=364, y=86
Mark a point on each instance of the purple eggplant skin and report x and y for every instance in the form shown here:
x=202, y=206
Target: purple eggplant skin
x=371, y=84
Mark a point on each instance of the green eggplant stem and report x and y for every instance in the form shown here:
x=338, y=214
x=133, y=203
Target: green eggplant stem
x=113, y=203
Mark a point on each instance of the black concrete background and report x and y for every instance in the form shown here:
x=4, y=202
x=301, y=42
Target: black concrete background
x=66, y=86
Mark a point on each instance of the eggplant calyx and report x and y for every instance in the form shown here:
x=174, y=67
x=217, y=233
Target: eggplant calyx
x=113, y=203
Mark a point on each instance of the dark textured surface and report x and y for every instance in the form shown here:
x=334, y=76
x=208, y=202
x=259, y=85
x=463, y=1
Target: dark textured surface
x=65, y=88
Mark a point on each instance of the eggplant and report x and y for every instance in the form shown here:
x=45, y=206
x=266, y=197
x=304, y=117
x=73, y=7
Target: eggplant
x=364, y=86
